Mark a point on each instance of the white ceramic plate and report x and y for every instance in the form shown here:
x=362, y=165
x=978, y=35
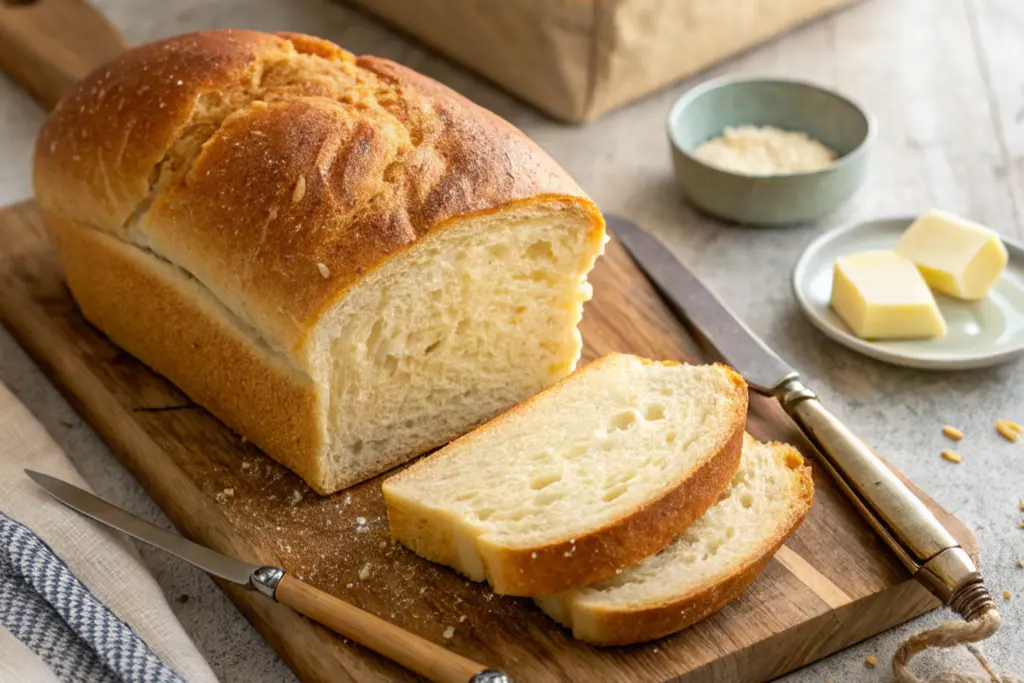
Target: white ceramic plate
x=981, y=333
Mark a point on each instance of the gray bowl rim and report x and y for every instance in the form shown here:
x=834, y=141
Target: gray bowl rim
x=687, y=98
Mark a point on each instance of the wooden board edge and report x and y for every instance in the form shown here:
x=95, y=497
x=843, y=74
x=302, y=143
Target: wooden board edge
x=833, y=630
x=193, y=514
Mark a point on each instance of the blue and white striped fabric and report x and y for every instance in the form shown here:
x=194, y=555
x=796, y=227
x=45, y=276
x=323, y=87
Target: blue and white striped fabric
x=54, y=614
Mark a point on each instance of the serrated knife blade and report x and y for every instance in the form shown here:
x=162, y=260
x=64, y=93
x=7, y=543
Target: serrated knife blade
x=91, y=506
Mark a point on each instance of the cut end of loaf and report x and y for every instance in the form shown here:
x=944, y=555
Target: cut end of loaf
x=707, y=566
x=470, y=321
x=588, y=477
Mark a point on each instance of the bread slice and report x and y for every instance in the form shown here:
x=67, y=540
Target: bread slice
x=580, y=481
x=345, y=261
x=706, y=567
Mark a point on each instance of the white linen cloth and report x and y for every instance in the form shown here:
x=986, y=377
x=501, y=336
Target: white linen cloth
x=106, y=563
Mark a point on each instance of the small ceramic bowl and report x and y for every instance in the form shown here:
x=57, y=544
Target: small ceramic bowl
x=705, y=111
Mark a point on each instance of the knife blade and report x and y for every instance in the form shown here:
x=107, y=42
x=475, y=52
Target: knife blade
x=432, y=661
x=210, y=561
x=717, y=330
x=899, y=517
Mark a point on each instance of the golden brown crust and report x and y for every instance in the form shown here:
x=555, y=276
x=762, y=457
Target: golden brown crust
x=590, y=557
x=202, y=350
x=627, y=626
x=341, y=161
x=95, y=155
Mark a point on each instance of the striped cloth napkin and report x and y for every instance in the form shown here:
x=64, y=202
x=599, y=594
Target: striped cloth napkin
x=76, y=602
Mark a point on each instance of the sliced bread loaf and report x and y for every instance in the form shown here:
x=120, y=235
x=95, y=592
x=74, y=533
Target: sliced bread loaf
x=586, y=478
x=707, y=566
x=344, y=261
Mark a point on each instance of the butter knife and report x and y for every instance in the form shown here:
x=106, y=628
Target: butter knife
x=913, y=533
x=421, y=656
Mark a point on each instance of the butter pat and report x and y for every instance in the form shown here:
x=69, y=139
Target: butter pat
x=881, y=295
x=955, y=256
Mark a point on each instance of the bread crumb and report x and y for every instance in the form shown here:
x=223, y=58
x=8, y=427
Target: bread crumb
x=361, y=521
x=245, y=440
x=383, y=544
x=1006, y=595
x=325, y=272
x=533, y=556
x=1009, y=430
x=364, y=573
x=423, y=590
x=349, y=585
x=952, y=432
x=1018, y=564
x=298, y=194
x=1020, y=504
x=952, y=456
x=871, y=661
x=462, y=618
x=296, y=496
x=246, y=465
x=348, y=499
x=449, y=632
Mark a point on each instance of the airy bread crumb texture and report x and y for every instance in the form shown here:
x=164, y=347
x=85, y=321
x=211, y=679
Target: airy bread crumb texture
x=706, y=566
x=527, y=500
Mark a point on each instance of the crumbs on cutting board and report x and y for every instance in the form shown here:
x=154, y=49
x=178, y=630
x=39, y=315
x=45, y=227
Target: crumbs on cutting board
x=952, y=456
x=364, y=573
x=449, y=632
x=871, y=661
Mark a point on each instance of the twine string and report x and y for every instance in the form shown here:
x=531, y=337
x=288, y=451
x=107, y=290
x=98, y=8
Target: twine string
x=952, y=634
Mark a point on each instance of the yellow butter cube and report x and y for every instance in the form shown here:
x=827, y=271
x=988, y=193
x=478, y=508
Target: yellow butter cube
x=881, y=295
x=955, y=256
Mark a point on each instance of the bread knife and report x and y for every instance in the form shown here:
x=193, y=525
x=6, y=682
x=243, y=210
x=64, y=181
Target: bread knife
x=417, y=654
x=913, y=533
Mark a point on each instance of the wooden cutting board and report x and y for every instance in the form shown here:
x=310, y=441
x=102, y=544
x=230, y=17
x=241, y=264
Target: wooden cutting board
x=832, y=584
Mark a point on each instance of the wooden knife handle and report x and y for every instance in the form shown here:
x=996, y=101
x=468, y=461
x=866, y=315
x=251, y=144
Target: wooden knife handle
x=416, y=654
x=49, y=45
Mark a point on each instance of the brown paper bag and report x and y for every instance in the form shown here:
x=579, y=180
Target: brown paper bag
x=576, y=59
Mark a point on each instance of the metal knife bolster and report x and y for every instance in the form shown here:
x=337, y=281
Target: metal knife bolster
x=922, y=544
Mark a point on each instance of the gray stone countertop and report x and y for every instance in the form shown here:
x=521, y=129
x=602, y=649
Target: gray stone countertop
x=943, y=80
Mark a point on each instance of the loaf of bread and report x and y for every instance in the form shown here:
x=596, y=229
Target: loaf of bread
x=707, y=566
x=345, y=261
x=581, y=481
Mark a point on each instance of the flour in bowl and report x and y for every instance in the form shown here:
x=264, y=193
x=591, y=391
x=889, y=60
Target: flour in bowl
x=765, y=150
